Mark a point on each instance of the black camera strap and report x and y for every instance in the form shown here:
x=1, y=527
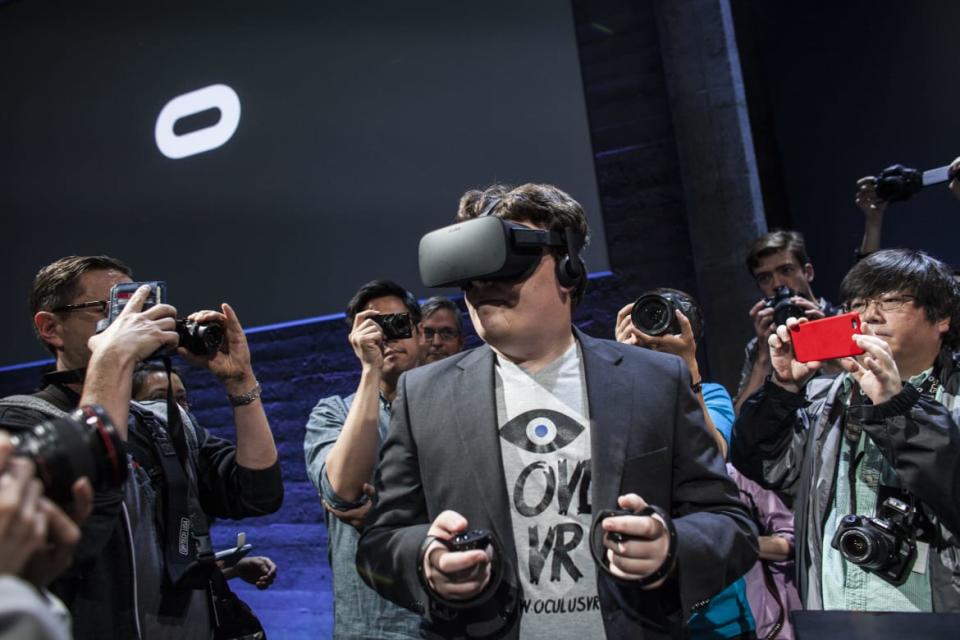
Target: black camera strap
x=188, y=549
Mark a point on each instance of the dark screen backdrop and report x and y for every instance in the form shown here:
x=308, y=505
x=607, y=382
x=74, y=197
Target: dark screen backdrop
x=361, y=124
x=850, y=88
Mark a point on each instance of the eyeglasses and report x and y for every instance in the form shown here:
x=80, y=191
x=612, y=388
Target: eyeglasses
x=100, y=305
x=445, y=334
x=886, y=304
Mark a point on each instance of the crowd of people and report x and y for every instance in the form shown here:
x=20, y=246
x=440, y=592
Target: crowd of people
x=544, y=484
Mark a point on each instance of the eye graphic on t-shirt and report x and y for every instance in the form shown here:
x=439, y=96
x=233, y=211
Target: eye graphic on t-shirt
x=541, y=431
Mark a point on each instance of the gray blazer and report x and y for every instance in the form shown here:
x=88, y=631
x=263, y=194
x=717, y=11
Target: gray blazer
x=649, y=438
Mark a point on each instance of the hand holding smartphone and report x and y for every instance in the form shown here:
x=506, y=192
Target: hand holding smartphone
x=826, y=339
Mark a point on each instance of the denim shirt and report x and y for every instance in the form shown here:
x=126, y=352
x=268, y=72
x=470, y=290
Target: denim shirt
x=358, y=611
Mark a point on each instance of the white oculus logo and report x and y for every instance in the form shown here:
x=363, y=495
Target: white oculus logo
x=216, y=96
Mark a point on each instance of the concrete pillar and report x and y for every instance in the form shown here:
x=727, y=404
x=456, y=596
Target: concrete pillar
x=723, y=202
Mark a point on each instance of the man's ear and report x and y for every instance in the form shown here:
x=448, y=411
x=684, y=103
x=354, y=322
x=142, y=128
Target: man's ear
x=808, y=272
x=943, y=325
x=48, y=328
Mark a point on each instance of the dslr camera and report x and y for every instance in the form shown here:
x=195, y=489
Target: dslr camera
x=782, y=305
x=653, y=313
x=395, y=326
x=85, y=443
x=202, y=339
x=897, y=182
x=884, y=544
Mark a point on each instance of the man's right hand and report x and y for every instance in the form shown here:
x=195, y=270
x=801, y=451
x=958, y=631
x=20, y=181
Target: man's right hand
x=788, y=372
x=762, y=317
x=135, y=335
x=455, y=575
x=867, y=200
x=366, y=338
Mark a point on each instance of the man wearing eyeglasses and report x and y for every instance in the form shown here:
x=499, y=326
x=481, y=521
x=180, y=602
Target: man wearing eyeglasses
x=120, y=585
x=442, y=329
x=776, y=259
x=886, y=428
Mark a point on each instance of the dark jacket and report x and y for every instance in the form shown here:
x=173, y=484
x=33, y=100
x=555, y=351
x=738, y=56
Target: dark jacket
x=791, y=443
x=98, y=588
x=648, y=437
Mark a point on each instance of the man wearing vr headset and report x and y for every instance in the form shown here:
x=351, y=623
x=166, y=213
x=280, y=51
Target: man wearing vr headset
x=120, y=585
x=519, y=443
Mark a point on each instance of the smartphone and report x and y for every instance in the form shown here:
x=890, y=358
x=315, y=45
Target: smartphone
x=827, y=338
x=475, y=539
x=233, y=555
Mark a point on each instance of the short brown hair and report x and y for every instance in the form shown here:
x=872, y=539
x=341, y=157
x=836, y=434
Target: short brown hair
x=56, y=284
x=544, y=205
x=774, y=242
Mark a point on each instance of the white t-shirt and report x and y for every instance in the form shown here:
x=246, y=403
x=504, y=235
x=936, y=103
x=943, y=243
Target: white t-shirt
x=544, y=426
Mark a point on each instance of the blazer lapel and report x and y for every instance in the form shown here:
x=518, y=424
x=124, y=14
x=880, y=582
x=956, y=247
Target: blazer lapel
x=610, y=398
x=476, y=407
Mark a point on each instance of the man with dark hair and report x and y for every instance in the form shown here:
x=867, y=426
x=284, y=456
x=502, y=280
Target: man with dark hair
x=776, y=259
x=341, y=444
x=527, y=437
x=886, y=428
x=130, y=578
x=442, y=329
x=151, y=381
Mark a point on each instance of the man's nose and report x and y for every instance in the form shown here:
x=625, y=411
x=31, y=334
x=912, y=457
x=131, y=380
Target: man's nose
x=436, y=339
x=872, y=314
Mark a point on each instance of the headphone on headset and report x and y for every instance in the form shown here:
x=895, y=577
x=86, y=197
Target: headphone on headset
x=570, y=269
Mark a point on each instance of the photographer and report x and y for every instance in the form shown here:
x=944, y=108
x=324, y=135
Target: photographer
x=779, y=265
x=883, y=434
x=150, y=384
x=106, y=596
x=341, y=444
x=499, y=458
x=768, y=586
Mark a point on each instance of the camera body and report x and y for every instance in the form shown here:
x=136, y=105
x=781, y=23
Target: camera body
x=884, y=544
x=653, y=313
x=395, y=326
x=897, y=183
x=202, y=339
x=85, y=443
x=782, y=305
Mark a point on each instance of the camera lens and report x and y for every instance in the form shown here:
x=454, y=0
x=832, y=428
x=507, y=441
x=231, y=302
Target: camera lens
x=652, y=314
x=65, y=449
x=202, y=339
x=856, y=547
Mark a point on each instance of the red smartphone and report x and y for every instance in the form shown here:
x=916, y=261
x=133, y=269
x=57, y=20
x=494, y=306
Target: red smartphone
x=827, y=338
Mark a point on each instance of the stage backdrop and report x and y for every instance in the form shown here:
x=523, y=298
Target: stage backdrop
x=272, y=155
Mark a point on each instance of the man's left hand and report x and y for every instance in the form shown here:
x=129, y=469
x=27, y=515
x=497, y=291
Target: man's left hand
x=232, y=363
x=644, y=550
x=259, y=571
x=875, y=371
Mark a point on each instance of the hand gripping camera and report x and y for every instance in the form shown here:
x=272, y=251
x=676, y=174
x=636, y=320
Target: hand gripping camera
x=203, y=339
x=885, y=544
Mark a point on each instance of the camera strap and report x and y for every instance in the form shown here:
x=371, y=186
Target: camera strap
x=188, y=550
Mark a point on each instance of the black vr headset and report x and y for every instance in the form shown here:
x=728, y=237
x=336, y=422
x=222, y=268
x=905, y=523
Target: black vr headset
x=490, y=248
